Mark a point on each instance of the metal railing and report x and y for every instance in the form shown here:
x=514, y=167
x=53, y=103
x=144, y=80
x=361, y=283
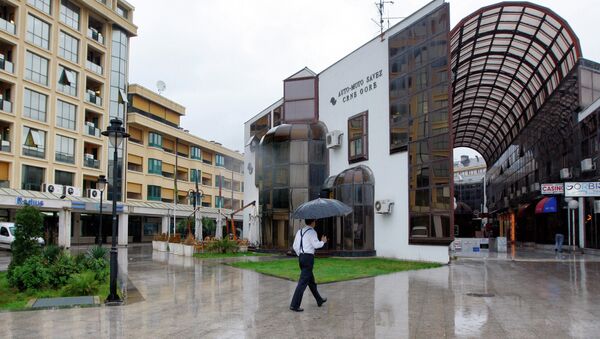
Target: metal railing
x=7, y=26
x=95, y=35
x=93, y=98
x=93, y=67
x=92, y=163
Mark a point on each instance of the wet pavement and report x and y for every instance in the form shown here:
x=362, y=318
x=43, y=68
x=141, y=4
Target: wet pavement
x=470, y=298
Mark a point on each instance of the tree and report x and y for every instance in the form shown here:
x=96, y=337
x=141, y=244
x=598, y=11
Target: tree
x=208, y=226
x=28, y=228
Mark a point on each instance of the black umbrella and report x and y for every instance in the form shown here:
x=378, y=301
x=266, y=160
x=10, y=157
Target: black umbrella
x=321, y=208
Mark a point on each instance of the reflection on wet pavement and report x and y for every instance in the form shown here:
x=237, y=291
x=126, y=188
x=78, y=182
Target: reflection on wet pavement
x=187, y=297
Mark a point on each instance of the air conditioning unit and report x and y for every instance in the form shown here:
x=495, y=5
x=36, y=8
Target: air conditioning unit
x=587, y=165
x=72, y=191
x=93, y=193
x=88, y=156
x=53, y=188
x=565, y=173
x=334, y=139
x=524, y=189
x=383, y=206
x=91, y=124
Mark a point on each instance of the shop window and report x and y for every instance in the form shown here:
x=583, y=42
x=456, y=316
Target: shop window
x=358, y=138
x=32, y=178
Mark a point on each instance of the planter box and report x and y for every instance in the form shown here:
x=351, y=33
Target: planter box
x=161, y=246
x=155, y=245
x=188, y=250
x=176, y=249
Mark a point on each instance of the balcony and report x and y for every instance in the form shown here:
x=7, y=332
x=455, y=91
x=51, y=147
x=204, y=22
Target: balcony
x=94, y=34
x=64, y=157
x=89, y=161
x=5, y=147
x=36, y=152
x=93, y=97
x=8, y=26
x=5, y=105
x=91, y=129
x=91, y=66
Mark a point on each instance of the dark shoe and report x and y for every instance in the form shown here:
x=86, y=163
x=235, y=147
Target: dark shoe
x=296, y=309
x=320, y=303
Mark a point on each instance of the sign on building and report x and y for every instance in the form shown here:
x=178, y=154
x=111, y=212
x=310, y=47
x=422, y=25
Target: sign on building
x=553, y=189
x=582, y=189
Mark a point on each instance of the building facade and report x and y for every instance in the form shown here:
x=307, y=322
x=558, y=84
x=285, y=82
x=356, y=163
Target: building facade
x=469, y=176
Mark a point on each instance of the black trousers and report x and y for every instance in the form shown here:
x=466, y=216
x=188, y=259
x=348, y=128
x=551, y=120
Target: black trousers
x=307, y=278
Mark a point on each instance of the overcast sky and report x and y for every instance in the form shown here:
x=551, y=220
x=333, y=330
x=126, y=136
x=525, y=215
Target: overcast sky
x=225, y=60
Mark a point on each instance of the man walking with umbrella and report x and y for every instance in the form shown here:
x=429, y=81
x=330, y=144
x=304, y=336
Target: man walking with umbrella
x=305, y=244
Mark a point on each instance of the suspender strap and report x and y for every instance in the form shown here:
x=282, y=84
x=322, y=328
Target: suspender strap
x=301, y=236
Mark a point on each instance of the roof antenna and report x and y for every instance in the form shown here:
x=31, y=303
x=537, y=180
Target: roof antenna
x=161, y=86
x=382, y=19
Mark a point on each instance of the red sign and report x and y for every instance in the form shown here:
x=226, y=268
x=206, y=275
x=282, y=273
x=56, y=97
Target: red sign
x=553, y=189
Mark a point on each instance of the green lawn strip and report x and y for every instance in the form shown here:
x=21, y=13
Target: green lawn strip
x=13, y=299
x=229, y=255
x=328, y=270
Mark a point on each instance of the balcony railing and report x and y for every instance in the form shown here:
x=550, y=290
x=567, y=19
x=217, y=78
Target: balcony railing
x=5, y=146
x=93, y=98
x=7, y=65
x=92, y=130
x=65, y=157
x=37, y=152
x=93, y=67
x=7, y=26
x=95, y=35
x=5, y=106
x=91, y=162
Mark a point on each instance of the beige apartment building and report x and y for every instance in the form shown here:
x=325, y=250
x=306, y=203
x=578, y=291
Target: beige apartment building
x=161, y=155
x=63, y=75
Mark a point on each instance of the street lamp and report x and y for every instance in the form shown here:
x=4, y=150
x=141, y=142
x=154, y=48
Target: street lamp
x=195, y=196
x=101, y=185
x=116, y=134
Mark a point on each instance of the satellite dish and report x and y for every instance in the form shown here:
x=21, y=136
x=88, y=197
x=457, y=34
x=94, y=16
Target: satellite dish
x=161, y=86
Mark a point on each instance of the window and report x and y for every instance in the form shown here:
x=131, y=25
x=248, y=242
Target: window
x=196, y=153
x=66, y=115
x=63, y=178
x=68, y=47
x=219, y=202
x=122, y=11
x=42, y=5
x=219, y=160
x=38, y=32
x=32, y=178
x=195, y=174
x=218, y=179
x=67, y=81
x=34, y=142
x=36, y=68
x=154, y=139
x=35, y=105
x=154, y=193
x=358, y=148
x=69, y=14
x=64, y=149
x=154, y=166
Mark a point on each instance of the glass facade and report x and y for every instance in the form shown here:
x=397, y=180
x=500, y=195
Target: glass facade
x=36, y=68
x=38, y=32
x=420, y=120
x=35, y=105
x=118, y=98
x=291, y=167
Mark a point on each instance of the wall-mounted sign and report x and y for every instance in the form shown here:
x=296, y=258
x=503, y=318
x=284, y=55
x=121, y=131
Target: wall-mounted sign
x=30, y=202
x=358, y=88
x=582, y=189
x=553, y=189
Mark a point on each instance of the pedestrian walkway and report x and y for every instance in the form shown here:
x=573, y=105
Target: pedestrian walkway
x=193, y=298
x=515, y=253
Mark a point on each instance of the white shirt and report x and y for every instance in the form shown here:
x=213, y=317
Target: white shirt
x=310, y=241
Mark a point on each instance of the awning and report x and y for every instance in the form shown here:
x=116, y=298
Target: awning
x=134, y=159
x=522, y=209
x=134, y=187
x=547, y=205
x=168, y=168
x=166, y=193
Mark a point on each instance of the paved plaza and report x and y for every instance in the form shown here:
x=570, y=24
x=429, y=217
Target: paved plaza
x=171, y=296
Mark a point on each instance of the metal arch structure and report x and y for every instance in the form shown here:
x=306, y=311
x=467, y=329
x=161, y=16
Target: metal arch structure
x=506, y=61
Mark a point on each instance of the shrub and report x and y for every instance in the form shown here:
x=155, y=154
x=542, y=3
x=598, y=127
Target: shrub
x=31, y=275
x=176, y=239
x=51, y=252
x=208, y=226
x=222, y=246
x=97, y=252
x=83, y=283
x=160, y=237
x=28, y=221
x=62, y=269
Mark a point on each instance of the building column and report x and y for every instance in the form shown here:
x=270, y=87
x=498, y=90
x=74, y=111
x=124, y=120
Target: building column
x=64, y=228
x=198, y=225
x=164, y=227
x=581, y=211
x=123, y=229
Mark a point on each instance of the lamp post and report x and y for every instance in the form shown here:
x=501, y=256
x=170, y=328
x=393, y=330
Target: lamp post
x=195, y=196
x=116, y=134
x=101, y=185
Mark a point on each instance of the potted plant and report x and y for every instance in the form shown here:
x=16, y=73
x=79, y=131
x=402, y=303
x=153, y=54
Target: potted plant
x=175, y=245
x=188, y=245
x=160, y=242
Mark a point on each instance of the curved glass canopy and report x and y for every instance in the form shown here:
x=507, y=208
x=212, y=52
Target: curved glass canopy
x=507, y=59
